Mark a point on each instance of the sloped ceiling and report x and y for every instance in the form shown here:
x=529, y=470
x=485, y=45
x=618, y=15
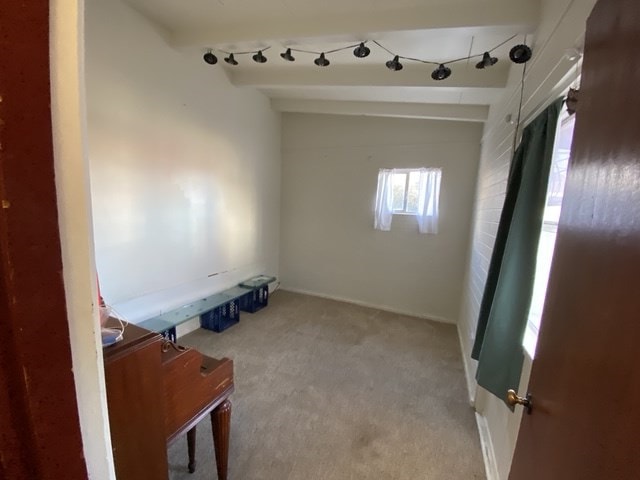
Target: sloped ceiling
x=432, y=30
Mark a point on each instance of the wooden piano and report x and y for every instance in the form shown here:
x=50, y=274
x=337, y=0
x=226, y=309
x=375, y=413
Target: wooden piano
x=156, y=392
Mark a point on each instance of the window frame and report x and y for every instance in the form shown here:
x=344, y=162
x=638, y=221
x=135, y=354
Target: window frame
x=406, y=172
x=536, y=309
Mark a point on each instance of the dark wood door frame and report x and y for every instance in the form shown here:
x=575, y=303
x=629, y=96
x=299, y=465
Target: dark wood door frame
x=40, y=430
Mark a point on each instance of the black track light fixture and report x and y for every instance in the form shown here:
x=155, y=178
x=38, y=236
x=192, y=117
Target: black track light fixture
x=362, y=51
x=520, y=54
x=210, y=58
x=487, y=61
x=394, y=64
x=441, y=72
x=230, y=60
x=259, y=57
x=321, y=61
x=287, y=55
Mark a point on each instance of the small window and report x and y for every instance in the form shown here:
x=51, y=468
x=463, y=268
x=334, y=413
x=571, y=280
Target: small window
x=406, y=191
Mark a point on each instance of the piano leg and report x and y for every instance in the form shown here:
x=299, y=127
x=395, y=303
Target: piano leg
x=191, y=447
x=220, y=424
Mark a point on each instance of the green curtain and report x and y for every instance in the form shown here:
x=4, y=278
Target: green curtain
x=507, y=294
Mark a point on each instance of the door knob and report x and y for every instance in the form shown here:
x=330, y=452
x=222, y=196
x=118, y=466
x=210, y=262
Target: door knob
x=513, y=399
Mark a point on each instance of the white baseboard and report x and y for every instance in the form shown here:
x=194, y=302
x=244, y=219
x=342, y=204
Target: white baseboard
x=384, y=308
x=471, y=381
x=488, y=453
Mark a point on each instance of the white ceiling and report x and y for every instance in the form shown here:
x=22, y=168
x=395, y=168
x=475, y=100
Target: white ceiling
x=432, y=30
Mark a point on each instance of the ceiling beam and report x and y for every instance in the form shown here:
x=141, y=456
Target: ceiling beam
x=466, y=113
x=369, y=75
x=522, y=14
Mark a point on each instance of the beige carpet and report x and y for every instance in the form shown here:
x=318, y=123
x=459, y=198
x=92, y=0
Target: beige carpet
x=332, y=391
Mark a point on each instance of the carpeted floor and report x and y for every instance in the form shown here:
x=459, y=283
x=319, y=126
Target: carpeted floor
x=332, y=391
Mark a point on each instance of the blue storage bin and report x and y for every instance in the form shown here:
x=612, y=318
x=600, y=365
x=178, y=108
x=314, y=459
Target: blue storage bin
x=221, y=317
x=255, y=299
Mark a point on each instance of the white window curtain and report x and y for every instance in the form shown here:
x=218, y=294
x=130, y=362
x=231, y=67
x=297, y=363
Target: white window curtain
x=383, y=211
x=429, y=200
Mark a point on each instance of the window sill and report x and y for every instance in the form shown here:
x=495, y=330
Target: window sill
x=405, y=214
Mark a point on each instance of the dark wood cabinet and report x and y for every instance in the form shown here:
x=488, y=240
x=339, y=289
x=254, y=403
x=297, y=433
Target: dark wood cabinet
x=156, y=392
x=133, y=376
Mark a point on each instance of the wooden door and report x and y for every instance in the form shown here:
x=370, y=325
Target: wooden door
x=585, y=381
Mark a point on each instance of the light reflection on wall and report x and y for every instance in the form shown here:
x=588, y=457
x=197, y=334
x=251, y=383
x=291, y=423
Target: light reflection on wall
x=166, y=219
x=179, y=192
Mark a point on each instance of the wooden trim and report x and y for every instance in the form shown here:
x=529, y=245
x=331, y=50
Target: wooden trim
x=38, y=398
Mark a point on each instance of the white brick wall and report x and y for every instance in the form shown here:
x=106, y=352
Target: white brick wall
x=549, y=74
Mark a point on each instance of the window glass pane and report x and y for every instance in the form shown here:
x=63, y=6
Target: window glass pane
x=555, y=193
x=413, y=192
x=558, y=173
x=543, y=268
x=398, y=183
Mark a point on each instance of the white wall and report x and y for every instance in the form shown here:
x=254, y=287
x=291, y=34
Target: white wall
x=185, y=168
x=76, y=239
x=549, y=73
x=329, y=176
